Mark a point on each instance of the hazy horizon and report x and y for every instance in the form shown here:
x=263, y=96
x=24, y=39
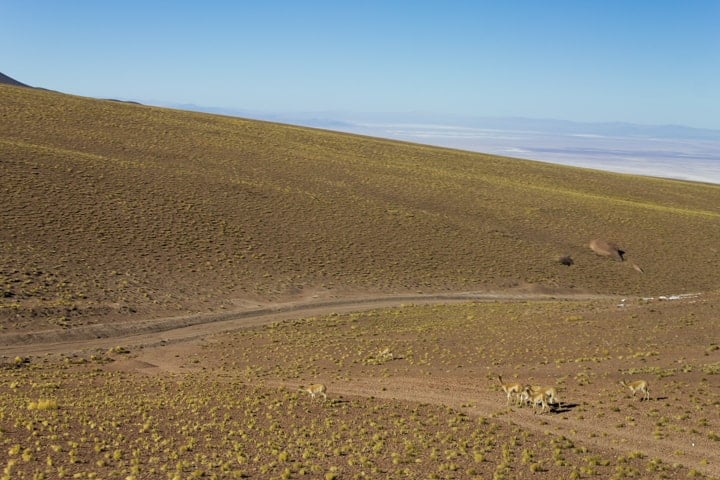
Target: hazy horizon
x=651, y=156
x=616, y=64
x=668, y=151
x=641, y=62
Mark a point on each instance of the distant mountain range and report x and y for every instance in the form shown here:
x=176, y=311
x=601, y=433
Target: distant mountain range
x=352, y=121
x=339, y=120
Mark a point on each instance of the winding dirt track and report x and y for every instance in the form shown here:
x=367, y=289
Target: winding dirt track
x=164, y=331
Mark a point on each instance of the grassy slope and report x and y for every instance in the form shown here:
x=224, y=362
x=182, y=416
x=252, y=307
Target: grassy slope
x=108, y=206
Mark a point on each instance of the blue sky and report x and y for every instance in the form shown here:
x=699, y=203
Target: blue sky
x=648, y=62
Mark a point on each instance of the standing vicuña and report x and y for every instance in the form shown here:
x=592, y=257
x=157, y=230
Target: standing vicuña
x=510, y=389
x=550, y=394
x=536, y=398
x=638, y=386
x=316, y=389
x=607, y=249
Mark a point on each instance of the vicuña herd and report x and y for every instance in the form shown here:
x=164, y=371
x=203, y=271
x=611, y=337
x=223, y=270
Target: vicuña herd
x=537, y=396
x=546, y=398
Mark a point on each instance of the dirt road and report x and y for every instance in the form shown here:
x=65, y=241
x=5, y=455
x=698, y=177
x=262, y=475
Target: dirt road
x=164, y=331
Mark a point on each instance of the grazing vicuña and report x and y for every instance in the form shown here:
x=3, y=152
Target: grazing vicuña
x=638, y=386
x=550, y=393
x=536, y=398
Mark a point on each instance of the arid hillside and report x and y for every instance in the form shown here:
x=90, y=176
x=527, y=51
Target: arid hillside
x=171, y=282
x=110, y=208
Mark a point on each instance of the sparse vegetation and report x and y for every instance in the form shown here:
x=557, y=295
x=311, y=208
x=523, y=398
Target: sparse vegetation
x=125, y=215
x=118, y=210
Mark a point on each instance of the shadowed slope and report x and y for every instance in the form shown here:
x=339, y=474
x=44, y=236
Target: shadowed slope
x=5, y=80
x=113, y=207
